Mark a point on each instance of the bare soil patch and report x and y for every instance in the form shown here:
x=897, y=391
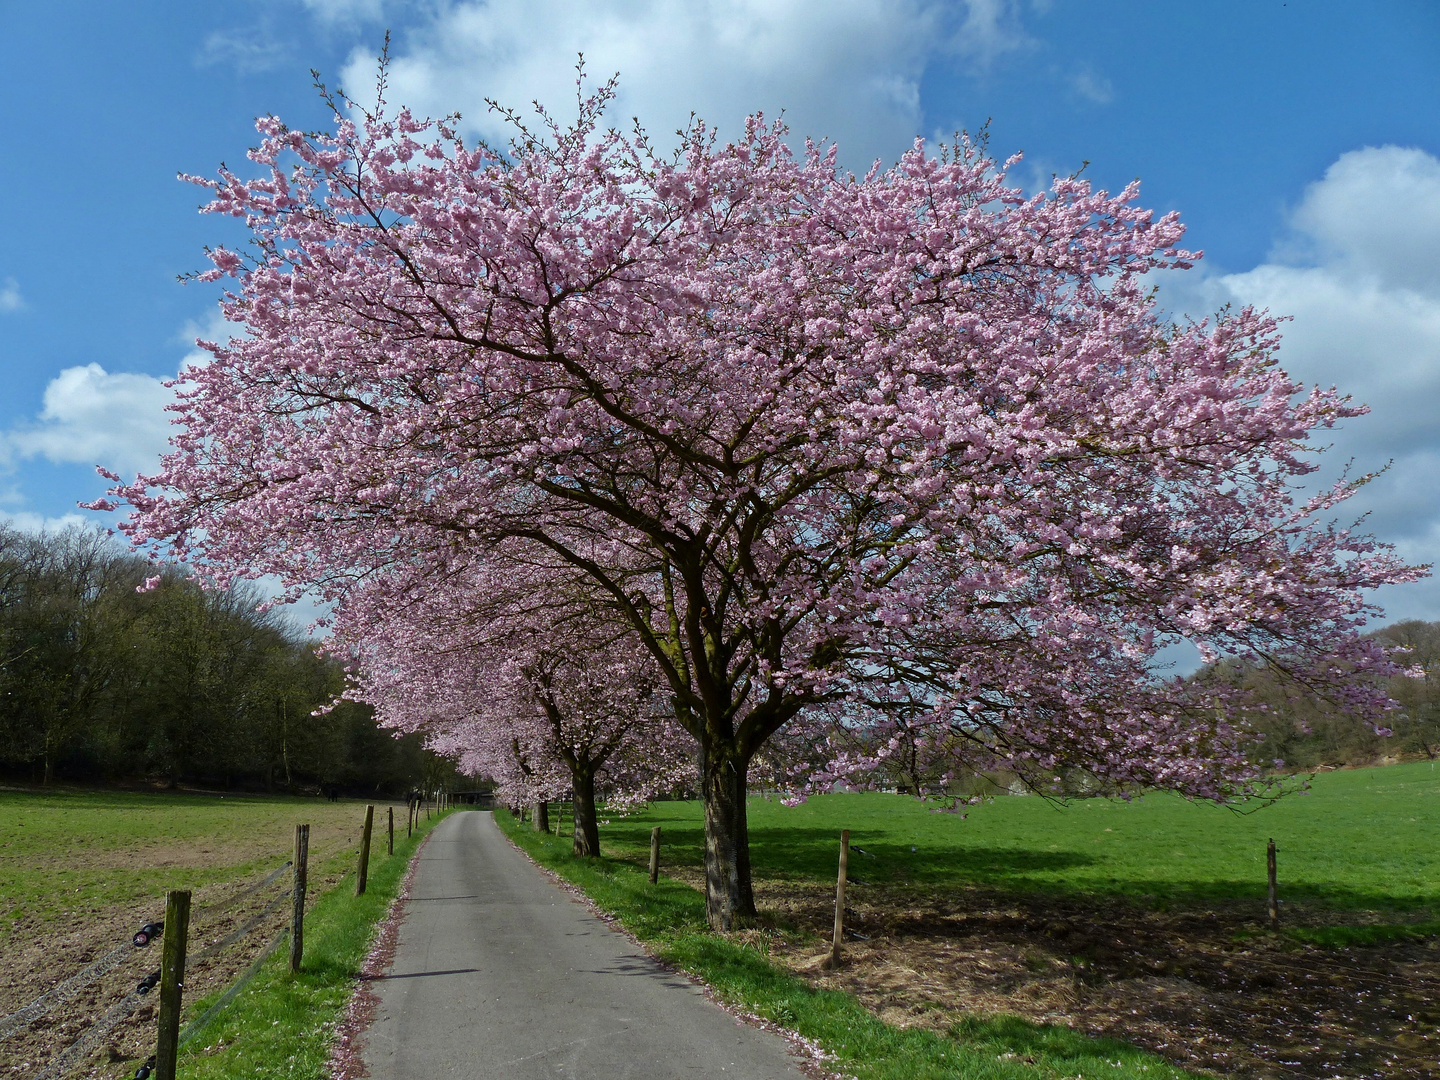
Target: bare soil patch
x=41, y=952
x=1205, y=987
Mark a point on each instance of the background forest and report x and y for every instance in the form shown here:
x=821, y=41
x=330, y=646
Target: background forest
x=1305, y=732
x=99, y=682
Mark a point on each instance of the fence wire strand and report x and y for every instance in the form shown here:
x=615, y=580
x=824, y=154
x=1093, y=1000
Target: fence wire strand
x=71, y=987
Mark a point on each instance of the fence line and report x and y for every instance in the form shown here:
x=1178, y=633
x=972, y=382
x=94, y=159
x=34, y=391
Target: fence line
x=193, y=1028
x=215, y=909
x=235, y=935
x=63, y=992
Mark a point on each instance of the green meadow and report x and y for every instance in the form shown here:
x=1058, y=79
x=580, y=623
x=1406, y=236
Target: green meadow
x=1357, y=839
x=76, y=854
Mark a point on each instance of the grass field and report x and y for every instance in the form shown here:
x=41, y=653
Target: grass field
x=71, y=855
x=1360, y=839
x=989, y=944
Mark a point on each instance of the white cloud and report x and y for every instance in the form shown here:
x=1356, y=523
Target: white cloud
x=91, y=417
x=846, y=69
x=991, y=29
x=10, y=298
x=1376, y=214
x=1359, y=276
x=345, y=11
x=1093, y=86
x=25, y=521
x=250, y=50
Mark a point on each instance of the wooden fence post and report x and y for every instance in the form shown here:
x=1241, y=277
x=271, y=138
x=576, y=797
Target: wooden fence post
x=654, y=854
x=172, y=978
x=1272, y=899
x=840, y=899
x=390, y=843
x=297, y=896
x=363, y=869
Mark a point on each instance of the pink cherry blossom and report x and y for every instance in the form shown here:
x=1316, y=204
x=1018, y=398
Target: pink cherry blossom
x=522, y=680
x=911, y=444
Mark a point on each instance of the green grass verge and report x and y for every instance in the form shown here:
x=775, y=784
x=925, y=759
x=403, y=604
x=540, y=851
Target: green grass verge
x=1344, y=937
x=670, y=918
x=282, y=1024
x=1363, y=839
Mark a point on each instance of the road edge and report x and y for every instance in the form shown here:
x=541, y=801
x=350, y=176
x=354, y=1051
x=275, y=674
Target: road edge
x=347, y=1049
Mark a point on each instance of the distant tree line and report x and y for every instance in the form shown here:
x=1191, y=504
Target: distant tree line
x=101, y=682
x=1298, y=730
x=1304, y=730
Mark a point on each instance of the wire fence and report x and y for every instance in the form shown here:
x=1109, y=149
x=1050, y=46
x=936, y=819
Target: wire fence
x=95, y=1035
x=65, y=991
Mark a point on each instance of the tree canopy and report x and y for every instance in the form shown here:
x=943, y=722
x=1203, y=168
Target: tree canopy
x=907, y=443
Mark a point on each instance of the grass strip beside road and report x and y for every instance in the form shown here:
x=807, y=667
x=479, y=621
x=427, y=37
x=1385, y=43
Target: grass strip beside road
x=283, y=1024
x=669, y=918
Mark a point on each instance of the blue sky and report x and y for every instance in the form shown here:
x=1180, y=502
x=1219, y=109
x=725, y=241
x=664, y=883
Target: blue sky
x=1300, y=140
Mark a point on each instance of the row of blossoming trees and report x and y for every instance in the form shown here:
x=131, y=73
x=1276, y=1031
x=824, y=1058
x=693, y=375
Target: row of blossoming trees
x=615, y=463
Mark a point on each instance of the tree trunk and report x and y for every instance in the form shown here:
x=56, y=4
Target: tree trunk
x=587, y=828
x=540, y=815
x=729, y=896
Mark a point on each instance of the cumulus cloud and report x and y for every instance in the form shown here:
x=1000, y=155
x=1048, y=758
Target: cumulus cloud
x=26, y=521
x=1357, y=274
x=844, y=69
x=92, y=417
x=10, y=298
x=1376, y=214
x=345, y=11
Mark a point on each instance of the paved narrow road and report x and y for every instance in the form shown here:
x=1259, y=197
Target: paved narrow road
x=501, y=974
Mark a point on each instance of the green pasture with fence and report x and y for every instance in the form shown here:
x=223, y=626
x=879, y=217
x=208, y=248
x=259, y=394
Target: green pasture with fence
x=1360, y=839
x=96, y=867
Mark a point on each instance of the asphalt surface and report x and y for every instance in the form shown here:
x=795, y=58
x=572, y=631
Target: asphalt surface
x=499, y=973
